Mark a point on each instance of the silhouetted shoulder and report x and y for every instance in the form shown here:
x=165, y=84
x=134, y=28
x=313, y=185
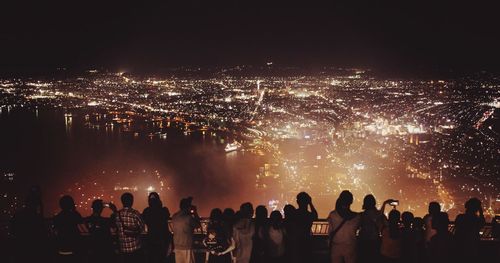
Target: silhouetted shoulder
x=459, y=219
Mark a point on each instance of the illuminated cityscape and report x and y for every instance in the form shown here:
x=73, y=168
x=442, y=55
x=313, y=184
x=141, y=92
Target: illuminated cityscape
x=414, y=140
x=250, y=131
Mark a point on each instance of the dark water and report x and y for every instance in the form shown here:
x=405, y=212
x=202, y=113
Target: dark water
x=41, y=147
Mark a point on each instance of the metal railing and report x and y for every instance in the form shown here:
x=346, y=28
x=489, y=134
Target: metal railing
x=319, y=228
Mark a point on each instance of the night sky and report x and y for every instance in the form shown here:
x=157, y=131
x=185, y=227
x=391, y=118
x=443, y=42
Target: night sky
x=388, y=35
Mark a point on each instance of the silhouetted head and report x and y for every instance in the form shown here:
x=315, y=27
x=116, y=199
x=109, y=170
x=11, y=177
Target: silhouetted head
x=66, y=203
x=289, y=211
x=472, y=206
x=440, y=222
x=407, y=219
x=303, y=199
x=276, y=218
x=127, y=199
x=97, y=206
x=434, y=208
x=394, y=217
x=154, y=200
x=260, y=212
x=418, y=223
x=186, y=203
x=344, y=201
x=246, y=210
x=343, y=205
x=228, y=215
x=216, y=214
x=369, y=202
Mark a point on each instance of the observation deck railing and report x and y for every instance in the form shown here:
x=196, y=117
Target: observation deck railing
x=489, y=243
x=319, y=228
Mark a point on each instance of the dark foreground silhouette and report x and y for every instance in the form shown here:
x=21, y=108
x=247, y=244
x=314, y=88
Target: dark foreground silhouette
x=228, y=236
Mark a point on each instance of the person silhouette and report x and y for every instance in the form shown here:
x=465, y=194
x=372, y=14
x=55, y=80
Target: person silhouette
x=369, y=232
x=342, y=225
x=219, y=245
x=305, y=215
x=100, y=243
x=28, y=229
x=467, y=228
x=391, y=246
x=495, y=227
x=441, y=246
x=419, y=237
x=258, y=247
x=408, y=245
x=274, y=236
x=434, y=209
x=159, y=238
x=184, y=222
x=130, y=226
x=291, y=238
x=243, y=231
x=228, y=218
x=68, y=224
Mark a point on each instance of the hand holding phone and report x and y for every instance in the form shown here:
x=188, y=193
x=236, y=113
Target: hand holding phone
x=394, y=202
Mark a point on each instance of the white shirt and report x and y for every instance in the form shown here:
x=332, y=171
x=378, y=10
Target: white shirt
x=346, y=235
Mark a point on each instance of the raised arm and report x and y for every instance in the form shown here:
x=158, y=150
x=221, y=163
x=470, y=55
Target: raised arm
x=382, y=208
x=313, y=211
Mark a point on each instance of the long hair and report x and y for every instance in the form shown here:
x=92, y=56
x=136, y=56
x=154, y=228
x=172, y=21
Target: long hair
x=343, y=205
x=154, y=200
x=369, y=202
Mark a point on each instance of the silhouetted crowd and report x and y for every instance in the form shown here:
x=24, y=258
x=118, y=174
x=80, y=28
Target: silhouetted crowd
x=244, y=236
